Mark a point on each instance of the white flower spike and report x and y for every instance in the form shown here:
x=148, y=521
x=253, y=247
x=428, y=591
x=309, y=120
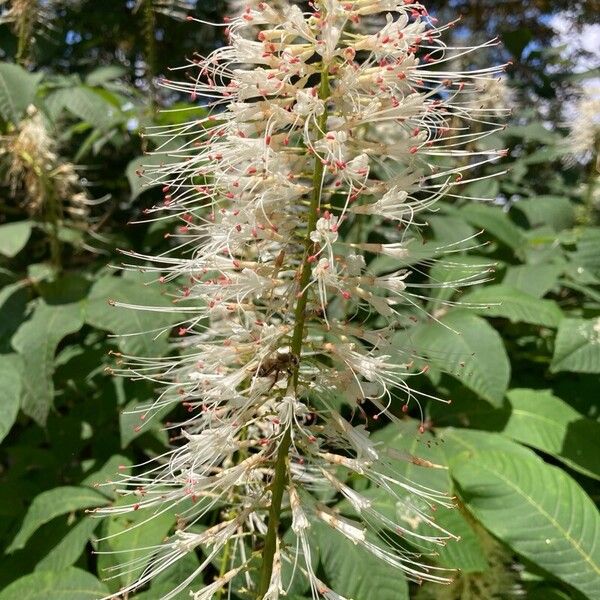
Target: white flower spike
x=268, y=192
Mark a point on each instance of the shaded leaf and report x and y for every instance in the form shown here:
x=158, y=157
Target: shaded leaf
x=354, y=572
x=51, y=504
x=11, y=385
x=466, y=347
x=70, y=547
x=36, y=341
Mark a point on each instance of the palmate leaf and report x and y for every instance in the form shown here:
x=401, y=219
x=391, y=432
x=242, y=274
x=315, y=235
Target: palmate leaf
x=70, y=584
x=465, y=346
x=518, y=307
x=577, y=346
x=538, y=510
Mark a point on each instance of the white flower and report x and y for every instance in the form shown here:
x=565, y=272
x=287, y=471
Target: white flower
x=312, y=125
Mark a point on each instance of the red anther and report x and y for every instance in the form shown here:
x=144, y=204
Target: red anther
x=261, y=36
x=186, y=292
x=166, y=188
x=405, y=408
x=421, y=428
x=416, y=131
x=183, y=229
x=413, y=149
x=187, y=217
x=268, y=140
x=346, y=295
x=182, y=331
x=401, y=75
x=189, y=18
x=161, y=279
x=230, y=195
x=136, y=506
x=286, y=141
x=238, y=227
x=251, y=171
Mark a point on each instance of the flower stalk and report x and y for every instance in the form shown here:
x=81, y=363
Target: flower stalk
x=312, y=123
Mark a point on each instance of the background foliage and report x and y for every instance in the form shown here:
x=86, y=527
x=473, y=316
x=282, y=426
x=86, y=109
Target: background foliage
x=521, y=439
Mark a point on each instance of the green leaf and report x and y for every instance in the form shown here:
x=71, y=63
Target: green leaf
x=353, y=572
x=133, y=533
x=454, y=274
x=587, y=254
x=538, y=510
x=535, y=280
x=70, y=548
x=88, y=104
x=144, y=332
x=14, y=237
x=17, y=91
x=468, y=554
x=510, y=303
x=577, y=346
x=36, y=341
x=169, y=579
x=53, y=503
x=11, y=385
x=137, y=167
x=105, y=74
x=543, y=421
x=495, y=222
x=107, y=473
x=466, y=347
x=70, y=584
x=459, y=443
x=556, y=211
x=13, y=308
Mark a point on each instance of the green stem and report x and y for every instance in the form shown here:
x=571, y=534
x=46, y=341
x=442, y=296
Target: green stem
x=281, y=463
x=24, y=33
x=150, y=50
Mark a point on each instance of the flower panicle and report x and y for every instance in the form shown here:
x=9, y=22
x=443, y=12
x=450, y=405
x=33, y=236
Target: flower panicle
x=312, y=127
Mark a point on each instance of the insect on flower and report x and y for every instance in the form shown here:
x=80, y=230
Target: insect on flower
x=314, y=126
